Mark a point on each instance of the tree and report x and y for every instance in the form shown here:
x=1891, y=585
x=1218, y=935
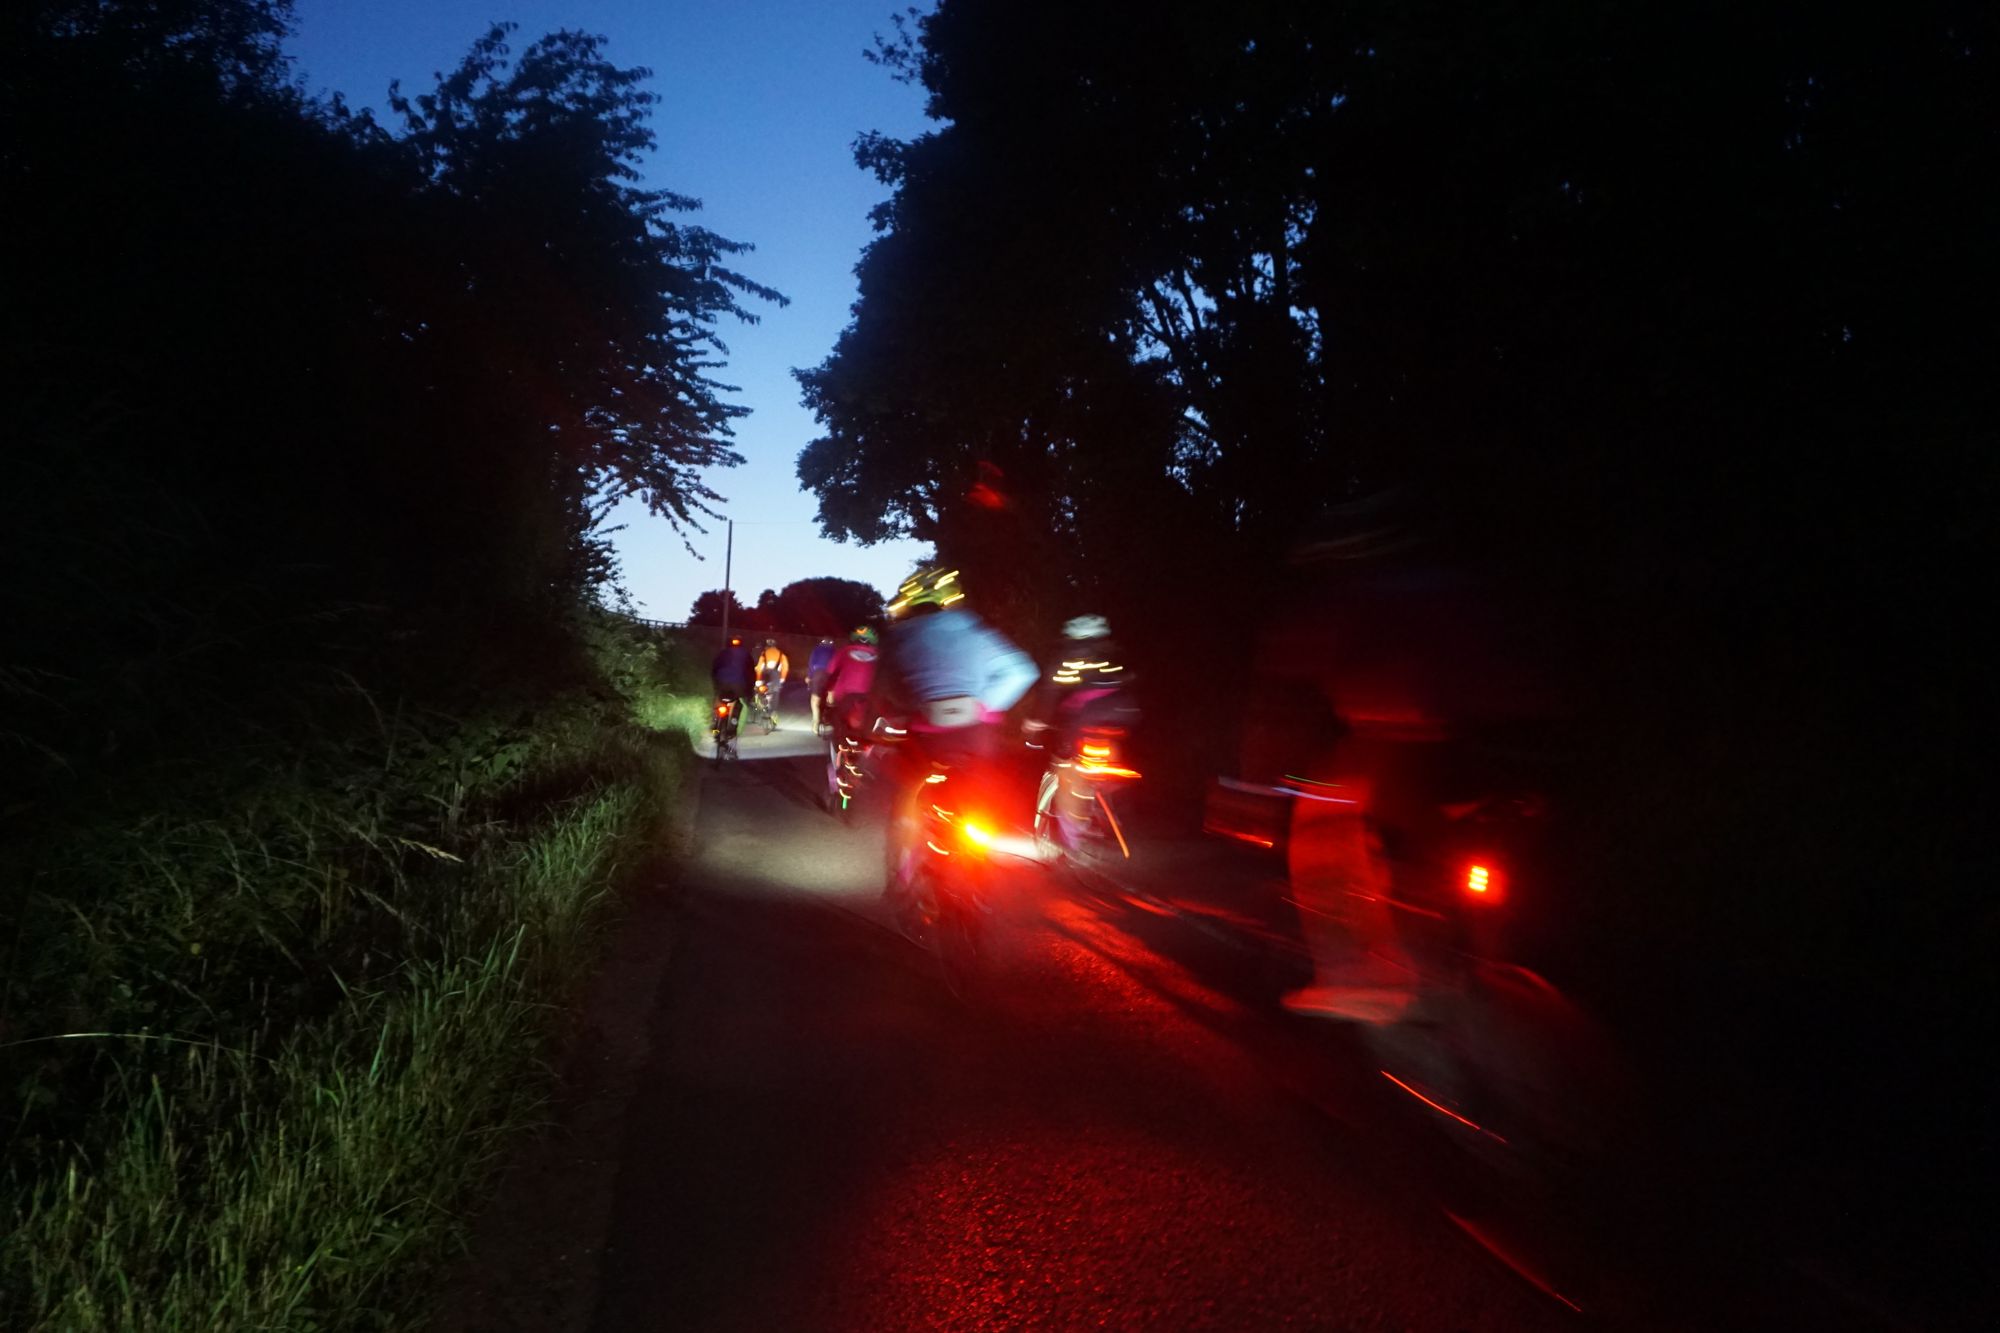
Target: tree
x=707, y=609
x=826, y=606
x=369, y=388
x=1682, y=315
x=605, y=309
x=1173, y=267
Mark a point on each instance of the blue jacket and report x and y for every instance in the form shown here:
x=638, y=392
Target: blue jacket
x=821, y=659
x=731, y=670
x=952, y=654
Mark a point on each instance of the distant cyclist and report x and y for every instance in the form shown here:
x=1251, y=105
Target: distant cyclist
x=731, y=671
x=773, y=668
x=816, y=668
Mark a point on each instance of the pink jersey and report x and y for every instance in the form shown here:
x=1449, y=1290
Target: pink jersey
x=853, y=670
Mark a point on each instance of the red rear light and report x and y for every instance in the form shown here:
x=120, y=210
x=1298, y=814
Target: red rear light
x=1482, y=881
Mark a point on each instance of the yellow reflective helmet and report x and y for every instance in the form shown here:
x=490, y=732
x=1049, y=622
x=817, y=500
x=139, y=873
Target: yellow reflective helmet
x=927, y=587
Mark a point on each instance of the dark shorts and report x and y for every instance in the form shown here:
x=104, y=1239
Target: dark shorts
x=818, y=683
x=852, y=716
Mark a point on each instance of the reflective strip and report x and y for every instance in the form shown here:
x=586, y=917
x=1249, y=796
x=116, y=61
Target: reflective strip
x=952, y=714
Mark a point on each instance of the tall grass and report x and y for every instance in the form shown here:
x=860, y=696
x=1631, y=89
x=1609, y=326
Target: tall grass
x=684, y=714
x=271, y=1023
x=285, y=1191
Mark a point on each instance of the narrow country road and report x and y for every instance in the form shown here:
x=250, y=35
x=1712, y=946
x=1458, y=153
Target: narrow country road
x=825, y=1139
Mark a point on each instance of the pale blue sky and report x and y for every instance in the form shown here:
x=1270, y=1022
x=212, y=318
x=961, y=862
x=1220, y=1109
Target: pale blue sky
x=761, y=100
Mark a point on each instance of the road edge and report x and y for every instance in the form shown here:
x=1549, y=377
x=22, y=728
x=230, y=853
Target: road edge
x=533, y=1258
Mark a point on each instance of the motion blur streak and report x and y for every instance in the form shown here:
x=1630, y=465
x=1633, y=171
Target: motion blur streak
x=1112, y=820
x=1445, y=1110
x=1513, y=1261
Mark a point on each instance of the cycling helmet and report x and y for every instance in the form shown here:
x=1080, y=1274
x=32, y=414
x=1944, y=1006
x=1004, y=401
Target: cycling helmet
x=927, y=587
x=862, y=634
x=1087, y=627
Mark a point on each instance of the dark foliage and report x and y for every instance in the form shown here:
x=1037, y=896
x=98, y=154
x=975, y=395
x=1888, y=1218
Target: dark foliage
x=823, y=606
x=1680, y=317
x=294, y=395
x=707, y=610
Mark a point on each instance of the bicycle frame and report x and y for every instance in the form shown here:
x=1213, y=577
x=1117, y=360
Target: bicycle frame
x=722, y=725
x=1074, y=795
x=962, y=849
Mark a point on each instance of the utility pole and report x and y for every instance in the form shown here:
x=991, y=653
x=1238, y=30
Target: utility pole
x=728, y=551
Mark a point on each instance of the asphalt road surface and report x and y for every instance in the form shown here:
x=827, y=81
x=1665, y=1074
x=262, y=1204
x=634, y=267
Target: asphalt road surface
x=826, y=1139
x=777, y=1117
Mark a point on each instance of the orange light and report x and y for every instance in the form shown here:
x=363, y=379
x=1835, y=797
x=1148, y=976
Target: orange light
x=1478, y=879
x=1096, y=751
x=1107, y=771
x=977, y=833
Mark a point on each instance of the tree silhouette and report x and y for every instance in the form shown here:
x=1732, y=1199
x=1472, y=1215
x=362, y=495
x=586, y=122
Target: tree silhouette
x=1208, y=269
x=826, y=606
x=368, y=388
x=1680, y=316
x=707, y=609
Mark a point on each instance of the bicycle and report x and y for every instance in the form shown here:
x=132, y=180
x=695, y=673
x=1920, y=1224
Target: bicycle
x=763, y=708
x=951, y=876
x=723, y=727
x=843, y=769
x=1076, y=828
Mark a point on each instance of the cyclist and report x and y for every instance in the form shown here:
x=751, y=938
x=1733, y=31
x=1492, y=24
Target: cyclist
x=773, y=667
x=953, y=675
x=849, y=677
x=816, y=667
x=1092, y=688
x=731, y=672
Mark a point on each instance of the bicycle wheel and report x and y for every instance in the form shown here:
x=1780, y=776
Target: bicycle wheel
x=1048, y=829
x=955, y=931
x=831, y=790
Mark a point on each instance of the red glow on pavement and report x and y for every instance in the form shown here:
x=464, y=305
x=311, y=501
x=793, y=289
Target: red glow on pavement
x=1443, y=1110
x=1512, y=1260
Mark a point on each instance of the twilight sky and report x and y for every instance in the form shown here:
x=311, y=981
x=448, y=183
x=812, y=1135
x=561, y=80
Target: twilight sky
x=760, y=102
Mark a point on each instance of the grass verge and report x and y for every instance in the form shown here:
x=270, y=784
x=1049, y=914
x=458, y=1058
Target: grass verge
x=326, y=1030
